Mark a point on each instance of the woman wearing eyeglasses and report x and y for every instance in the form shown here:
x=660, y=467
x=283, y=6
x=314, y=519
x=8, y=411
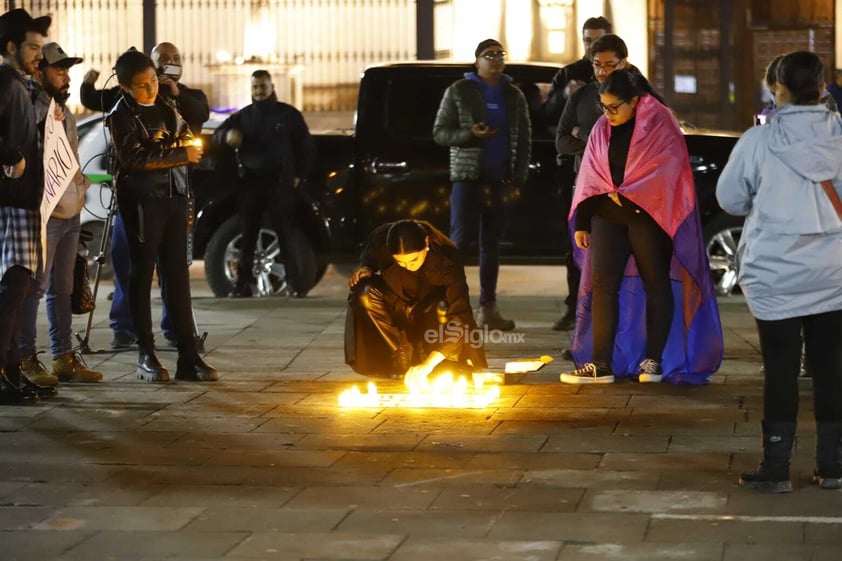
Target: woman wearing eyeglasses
x=646, y=306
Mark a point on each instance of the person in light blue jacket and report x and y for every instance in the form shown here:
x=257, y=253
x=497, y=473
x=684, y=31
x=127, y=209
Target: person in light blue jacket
x=790, y=264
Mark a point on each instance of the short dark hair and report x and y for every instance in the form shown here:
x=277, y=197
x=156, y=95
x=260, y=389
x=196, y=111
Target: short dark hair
x=610, y=42
x=802, y=74
x=597, y=23
x=628, y=83
x=261, y=74
x=129, y=64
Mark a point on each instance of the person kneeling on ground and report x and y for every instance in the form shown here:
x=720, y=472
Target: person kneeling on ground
x=409, y=310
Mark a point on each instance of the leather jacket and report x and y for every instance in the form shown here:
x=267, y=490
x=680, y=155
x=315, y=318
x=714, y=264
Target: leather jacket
x=19, y=137
x=149, y=146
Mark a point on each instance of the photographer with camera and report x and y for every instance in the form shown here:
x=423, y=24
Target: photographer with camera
x=193, y=106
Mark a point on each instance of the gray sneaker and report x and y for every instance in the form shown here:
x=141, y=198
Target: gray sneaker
x=650, y=372
x=590, y=373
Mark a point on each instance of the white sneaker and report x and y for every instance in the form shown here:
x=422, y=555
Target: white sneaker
x=590, y=373
x=650, y=372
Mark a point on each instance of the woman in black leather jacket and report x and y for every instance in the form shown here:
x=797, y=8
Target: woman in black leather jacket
x=153, y=146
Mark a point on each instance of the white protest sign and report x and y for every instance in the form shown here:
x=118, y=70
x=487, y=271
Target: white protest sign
x=60, y=167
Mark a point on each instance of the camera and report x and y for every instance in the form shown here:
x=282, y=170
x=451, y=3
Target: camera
x=170, y=70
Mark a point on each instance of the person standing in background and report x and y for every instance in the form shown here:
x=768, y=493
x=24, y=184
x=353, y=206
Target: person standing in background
x=489, y=161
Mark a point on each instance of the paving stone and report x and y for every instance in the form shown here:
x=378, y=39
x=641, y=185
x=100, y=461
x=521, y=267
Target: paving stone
x=256, y=519
x=440, y=523
x=377, y=441
x=504, y=499
x=725, y=531
x=335, y=545
x=222, y=495
x=424, y=549
x=642, y=552
x=778, y=552
x=439, y=478
x=615, y=442
x=483, y=443
x=435, y=459
x=79, y=494
x=533, y=461
x=365, y=497
x=120, y=518
x=283, y=457
x=595, y=479
x=156, y=545
x=613, y=500
x=39, y=545
x=580, y=527
x=666, y=462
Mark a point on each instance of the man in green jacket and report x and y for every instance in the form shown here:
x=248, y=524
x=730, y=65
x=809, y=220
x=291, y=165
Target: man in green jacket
x=484, y=120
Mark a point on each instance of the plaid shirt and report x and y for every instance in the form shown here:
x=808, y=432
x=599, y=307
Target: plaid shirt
x=20, y=239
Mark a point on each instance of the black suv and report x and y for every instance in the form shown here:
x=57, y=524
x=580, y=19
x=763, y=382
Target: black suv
x=388, y=168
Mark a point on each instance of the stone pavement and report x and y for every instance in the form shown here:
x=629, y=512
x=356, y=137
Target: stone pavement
x=264, y=465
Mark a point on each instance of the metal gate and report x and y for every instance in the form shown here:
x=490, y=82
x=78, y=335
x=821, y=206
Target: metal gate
x=316, y=49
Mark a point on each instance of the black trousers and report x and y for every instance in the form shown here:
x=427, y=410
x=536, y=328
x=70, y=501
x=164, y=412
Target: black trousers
x=780, y=345
x=266, y=193
x=574, y=275
x=613, y=241
x=156, y=229
x=14, y=286
x=379, y=321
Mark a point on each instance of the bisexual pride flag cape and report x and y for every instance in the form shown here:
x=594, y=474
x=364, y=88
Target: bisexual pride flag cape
x=658, y=178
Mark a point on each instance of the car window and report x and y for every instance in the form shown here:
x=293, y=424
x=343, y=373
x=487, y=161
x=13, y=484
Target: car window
x=413, y=103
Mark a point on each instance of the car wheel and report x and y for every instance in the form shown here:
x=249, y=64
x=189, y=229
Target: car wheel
x=722, y=235
x=90, y=250
x=223, y=255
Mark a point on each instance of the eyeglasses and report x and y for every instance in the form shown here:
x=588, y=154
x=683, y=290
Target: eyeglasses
x=608, y=67
x=611, y=109
x=494, y=55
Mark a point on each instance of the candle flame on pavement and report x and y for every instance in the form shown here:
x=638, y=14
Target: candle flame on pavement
x=442, y=392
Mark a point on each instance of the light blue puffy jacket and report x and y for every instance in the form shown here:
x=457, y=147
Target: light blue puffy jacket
x=790, y=253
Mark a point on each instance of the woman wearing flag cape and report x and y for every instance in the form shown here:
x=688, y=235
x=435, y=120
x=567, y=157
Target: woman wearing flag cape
x=655, y=316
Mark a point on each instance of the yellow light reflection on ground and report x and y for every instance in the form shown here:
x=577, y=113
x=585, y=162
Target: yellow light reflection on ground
x=442, y=392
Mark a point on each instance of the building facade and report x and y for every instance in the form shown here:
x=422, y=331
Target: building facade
x=706, y=56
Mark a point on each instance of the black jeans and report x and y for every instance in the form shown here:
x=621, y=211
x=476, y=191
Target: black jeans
x=156, y=229
x=263, y=193
x=14, y=287
x=612, y=243
x=574, y=275
x=780, y=344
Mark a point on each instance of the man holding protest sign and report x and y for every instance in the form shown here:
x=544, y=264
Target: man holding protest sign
x=21, y=39
x=64, y=197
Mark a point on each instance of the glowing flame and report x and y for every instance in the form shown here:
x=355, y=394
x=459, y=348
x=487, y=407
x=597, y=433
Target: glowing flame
x=442, y=392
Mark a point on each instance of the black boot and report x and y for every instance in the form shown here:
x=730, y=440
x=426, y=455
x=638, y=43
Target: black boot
x=12, y=394
x=828, y=472
x=772, y=475
x=149, y=368
x=195, y=369
x=15, y=375
x=402, y=357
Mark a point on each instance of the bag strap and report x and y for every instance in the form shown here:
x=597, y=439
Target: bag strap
x=833, y=196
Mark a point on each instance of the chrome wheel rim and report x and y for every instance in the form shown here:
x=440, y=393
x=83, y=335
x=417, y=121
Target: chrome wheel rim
x=722, y=256
x=269, y=274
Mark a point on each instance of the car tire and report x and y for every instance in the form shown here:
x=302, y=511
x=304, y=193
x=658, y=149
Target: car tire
x=90, y=250
x=222, y=257
x=722, y=234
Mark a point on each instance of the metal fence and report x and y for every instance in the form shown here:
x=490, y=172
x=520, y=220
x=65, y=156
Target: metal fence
x=314, y=47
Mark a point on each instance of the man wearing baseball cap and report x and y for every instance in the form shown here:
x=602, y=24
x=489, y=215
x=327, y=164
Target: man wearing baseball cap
x=62, y=239
x=21, y=39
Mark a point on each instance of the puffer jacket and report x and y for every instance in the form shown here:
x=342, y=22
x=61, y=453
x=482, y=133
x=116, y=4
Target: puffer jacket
x=461, y=106
x=73, y=199
x=151, y=157
x=789, y=256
